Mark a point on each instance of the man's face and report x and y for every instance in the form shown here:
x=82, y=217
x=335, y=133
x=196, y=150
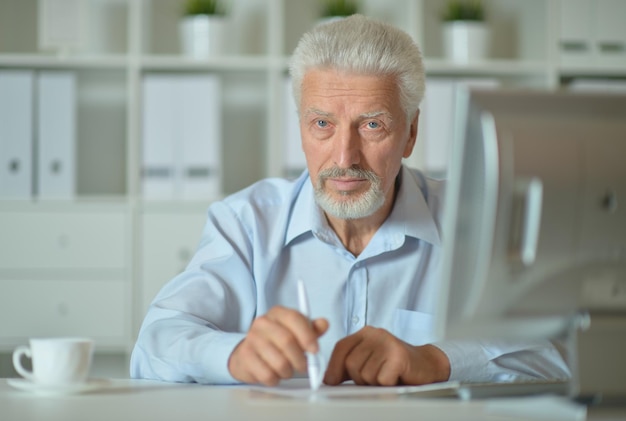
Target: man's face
x=354, y=135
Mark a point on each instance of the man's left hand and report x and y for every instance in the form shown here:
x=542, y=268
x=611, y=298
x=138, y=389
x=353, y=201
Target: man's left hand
x=373, y=356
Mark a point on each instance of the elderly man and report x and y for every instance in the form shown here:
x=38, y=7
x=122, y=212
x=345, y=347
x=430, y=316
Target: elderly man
x=360, y=229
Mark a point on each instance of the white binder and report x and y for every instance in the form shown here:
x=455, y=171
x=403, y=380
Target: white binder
x=159, y=129
x=576, y=32
x=610, y=31
x=56, y=134
x=16, y=136
x=295, y=160
x=199, y=136
x=182, y=129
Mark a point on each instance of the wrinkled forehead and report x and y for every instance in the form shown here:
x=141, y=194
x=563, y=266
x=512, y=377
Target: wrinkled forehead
x=329, y=84
x=348, y=73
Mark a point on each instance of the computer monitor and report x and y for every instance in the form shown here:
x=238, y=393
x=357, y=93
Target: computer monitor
x=535, y=222
x=534, y=228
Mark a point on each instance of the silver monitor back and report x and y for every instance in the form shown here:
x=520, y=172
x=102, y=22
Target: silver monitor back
x=535, y=222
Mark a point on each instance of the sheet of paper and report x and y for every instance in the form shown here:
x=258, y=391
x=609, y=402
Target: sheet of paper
x=299, y=389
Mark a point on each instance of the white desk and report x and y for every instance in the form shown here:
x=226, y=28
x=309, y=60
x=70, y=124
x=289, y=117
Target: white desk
x=145, y=400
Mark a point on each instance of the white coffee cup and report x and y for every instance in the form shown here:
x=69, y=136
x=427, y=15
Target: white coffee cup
x=55, y=361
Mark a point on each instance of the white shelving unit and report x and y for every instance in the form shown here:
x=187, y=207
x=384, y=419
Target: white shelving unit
x=57, y=269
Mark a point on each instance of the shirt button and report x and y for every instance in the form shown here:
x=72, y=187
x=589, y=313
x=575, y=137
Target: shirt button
x=355, y=320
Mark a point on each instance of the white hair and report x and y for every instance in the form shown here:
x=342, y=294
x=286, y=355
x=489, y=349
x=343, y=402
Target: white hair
x=362, y=45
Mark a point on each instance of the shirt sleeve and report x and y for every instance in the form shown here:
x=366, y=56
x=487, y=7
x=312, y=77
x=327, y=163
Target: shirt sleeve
x=199, y=317
x=504, y=360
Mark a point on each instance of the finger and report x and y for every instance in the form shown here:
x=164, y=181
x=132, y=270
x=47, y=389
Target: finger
x=284, y=349
x=247, y=366
x=261, y=372
x=370, y=367
x=396, y=363
x=336, y=371
x=320, y=326
x=387, y=359
x=389, y=373
x=356, y=362
x=275, y=360
x=298, y=325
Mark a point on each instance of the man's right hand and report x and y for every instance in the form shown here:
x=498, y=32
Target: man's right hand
x=275, y=346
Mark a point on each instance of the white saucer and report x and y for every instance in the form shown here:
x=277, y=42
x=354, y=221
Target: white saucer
x=68, y=389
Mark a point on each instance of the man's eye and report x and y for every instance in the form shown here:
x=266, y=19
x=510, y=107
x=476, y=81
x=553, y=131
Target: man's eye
x=373, y=125
x=322, y=123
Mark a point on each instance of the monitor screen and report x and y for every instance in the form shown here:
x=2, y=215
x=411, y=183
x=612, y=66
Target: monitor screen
x=535, y=221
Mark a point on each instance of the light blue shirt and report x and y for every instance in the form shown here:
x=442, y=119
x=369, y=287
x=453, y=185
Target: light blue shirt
x=258, y=242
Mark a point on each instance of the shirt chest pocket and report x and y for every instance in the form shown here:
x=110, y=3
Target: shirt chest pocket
x=414, y=327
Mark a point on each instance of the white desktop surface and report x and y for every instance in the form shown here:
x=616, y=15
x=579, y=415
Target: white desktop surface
x=134, y=400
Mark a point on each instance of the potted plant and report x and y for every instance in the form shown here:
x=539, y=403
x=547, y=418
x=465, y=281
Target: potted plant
x=337, y=9
x=202, y=28
x=466, y=35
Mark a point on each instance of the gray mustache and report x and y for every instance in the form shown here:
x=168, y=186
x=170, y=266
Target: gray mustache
x=348, y=172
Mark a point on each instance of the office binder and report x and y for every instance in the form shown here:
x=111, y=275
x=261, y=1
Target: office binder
x=182, y=129
x=610, y=32
x=16, y=135
x=56, y=134
x=592, y=31
x=575, y=31
x=294, y=161
x=199, y=123
x=159, y=130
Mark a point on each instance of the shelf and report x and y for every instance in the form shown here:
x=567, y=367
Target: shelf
x=195, y=206
x=181, y=63
x=616, y=70
x=110, y=203
x=493, y=67
x=39, y=61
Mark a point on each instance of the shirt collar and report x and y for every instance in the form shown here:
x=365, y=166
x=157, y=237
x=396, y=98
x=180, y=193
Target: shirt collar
x=410, y=213
x=304, y=211
x=411, y=209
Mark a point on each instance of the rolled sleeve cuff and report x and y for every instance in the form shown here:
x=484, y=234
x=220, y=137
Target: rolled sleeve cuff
x=502, y=360
x=468, y=360
x=203, y=359
x=215, y=363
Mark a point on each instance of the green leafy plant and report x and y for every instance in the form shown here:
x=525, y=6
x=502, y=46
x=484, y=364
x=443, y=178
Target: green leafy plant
x=472, y=10
x=204, y=7
x=339, y=8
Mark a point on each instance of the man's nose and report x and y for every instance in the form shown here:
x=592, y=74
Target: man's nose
x=347, y=147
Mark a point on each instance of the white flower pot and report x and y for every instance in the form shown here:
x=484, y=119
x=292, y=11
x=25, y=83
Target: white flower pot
x=202, y=36
x=466, y=41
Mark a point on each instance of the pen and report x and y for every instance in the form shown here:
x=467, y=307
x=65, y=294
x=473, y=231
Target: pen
x=314, y=366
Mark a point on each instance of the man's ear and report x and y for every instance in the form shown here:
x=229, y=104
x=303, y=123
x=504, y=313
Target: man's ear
x=412, y=135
